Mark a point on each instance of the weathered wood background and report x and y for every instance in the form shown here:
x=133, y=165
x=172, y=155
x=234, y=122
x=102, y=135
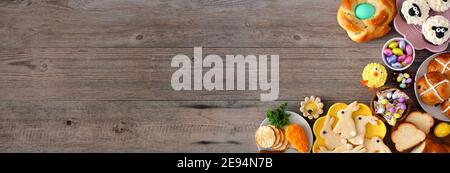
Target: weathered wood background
x=94, y=75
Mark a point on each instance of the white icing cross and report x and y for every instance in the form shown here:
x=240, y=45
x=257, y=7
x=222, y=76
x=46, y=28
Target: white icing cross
x=433, y=88
x=445, y=66
x=447, y=108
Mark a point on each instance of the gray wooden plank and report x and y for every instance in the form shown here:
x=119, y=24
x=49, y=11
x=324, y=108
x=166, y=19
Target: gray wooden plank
x=145, y=73
x=128, y=126
x=173, y=23
x=132, y=126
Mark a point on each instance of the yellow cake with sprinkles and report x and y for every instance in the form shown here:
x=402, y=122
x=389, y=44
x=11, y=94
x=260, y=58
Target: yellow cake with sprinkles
x=374, y=75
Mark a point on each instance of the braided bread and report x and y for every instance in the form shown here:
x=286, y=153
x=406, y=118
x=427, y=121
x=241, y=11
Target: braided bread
x=374, y=23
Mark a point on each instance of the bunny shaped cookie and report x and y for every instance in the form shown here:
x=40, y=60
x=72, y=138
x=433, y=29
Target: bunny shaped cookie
x=361, y=121
x=376, y=145
x=346, y=125
x=332, y=140
x=346, y=148
x=339, y=149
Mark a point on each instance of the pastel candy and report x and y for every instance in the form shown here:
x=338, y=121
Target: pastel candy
x=408, y=59
x=397, y=51
x=392, y=110
x=397, y=65
x=397, y=115
x=406, y=75
x=403, y=107
x=399, y=79
x=392, y=59
x=401, y=99
x=401, y=58
x=393, y=45
x=408, y=49
x=381, y=110
x=394, y=96
x=402, y=85
x=387, y=52
x=393, y=121
x=402, y=44
x=409, y=80
x=389, y=95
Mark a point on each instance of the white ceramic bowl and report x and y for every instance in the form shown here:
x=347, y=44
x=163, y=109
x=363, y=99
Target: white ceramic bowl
x=384, y=57
x=295, y=119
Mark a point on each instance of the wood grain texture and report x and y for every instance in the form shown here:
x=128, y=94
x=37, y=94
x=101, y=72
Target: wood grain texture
x=173, y=23
x=130, y=126
x=145, y=73
x=94, y=76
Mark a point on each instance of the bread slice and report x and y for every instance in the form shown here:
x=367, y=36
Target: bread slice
x=422, y=121
x=407, y=136
x=419, y=148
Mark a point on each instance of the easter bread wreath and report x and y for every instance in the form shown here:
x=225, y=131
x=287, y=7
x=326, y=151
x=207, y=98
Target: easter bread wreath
x=365, y=20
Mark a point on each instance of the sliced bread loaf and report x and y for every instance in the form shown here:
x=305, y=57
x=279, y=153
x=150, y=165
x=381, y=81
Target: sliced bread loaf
x=422, y=121
x=407, y=136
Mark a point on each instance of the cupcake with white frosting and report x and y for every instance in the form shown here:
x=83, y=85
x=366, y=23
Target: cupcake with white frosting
x=436, y=29
x=439, y=5
x=415, y=11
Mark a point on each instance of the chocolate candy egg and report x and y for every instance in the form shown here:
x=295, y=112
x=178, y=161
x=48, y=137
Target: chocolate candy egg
x=402, y=44
x=389, y=95
x=392, y=110
x=393, y=45
x=396, y=65
x=397, y=51
x=393, y=121
x=394, y=96
x=391, y=59
x=408, y=59
x=381, y=110
x=387, y=52
x=409, y=50
x=403, y=107
x=401, y=58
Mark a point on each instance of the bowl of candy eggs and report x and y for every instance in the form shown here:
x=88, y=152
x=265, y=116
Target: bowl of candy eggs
x=398, y=54
x=390, y=105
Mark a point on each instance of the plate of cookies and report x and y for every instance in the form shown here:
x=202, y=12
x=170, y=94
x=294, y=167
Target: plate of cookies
x=349, y=128
x=425, y=23
x=432, y=86
x=284, y=132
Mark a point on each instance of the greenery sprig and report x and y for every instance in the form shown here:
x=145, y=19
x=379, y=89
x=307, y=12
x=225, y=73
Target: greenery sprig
x=279, y=117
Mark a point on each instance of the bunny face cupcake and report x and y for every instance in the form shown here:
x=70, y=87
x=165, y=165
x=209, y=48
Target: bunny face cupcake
x=439, y=5
x=415, y=11
x=436, y=29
